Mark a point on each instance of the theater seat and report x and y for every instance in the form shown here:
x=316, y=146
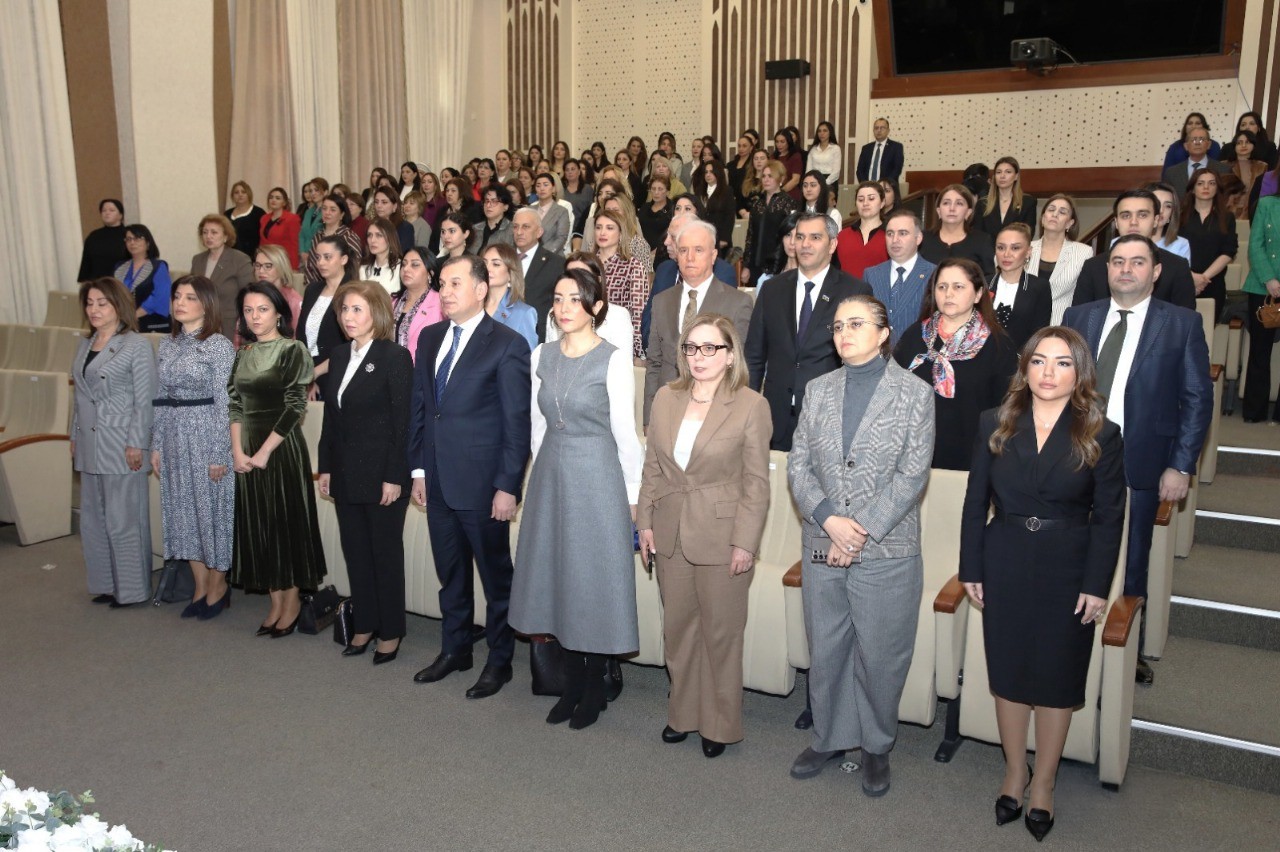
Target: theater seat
x=1208, y=462
x=1232, y=367
x=62, y=309
x=61, y=348
x=33, y=403
x=1100, y=728
x=35, y=486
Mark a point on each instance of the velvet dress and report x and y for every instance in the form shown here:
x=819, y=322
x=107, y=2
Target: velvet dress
x=277, y=538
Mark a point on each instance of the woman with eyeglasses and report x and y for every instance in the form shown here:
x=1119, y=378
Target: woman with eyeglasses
x=858, y=468
x=703, y=501
x=271, y=266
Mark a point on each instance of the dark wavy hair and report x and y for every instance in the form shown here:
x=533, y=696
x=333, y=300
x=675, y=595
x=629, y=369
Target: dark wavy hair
x=973, y=272
x=272, y=294
x=208, y=297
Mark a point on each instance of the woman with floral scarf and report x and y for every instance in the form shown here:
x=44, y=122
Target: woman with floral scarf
x=958, y=347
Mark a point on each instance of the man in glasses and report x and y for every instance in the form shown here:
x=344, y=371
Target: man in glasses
x=1197, y=144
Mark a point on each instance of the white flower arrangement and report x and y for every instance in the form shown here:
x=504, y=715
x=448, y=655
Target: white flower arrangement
x=35, y=821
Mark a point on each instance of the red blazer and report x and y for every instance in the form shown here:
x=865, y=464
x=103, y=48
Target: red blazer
x=855, y=255
x=283, y=233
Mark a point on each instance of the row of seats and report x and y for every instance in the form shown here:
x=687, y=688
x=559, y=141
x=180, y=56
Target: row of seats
x=37, y=347
x=35, y=464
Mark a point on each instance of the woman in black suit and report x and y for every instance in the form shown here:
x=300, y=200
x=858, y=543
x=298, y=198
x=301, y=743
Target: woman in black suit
x=318, y=322
x=960, y=349
x=1210, y=230
x=364, y=463
x=1022, y=302
x=1041, y=569
x=1006, y=203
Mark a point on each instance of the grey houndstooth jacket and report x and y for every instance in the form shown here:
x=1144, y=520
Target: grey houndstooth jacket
x=113, y=403
x=880, y=482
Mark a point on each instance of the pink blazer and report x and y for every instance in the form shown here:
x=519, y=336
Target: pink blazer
x=428, y=313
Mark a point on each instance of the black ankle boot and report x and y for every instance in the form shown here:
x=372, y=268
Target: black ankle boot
x=575, y=681
x=593, y=695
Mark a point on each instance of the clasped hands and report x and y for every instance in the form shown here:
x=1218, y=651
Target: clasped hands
x=244, y=464
x=848, y=537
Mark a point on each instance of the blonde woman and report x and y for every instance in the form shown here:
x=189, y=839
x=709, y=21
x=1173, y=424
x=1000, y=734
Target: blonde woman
x=625, y=280
x=505, y=302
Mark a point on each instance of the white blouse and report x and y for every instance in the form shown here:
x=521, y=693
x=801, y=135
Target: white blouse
x=387, y=276
x=684, y=441
x=827, y=162
x=313, y=323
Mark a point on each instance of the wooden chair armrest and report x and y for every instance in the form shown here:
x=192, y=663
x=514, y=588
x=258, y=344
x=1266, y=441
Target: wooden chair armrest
x=950, y=596
x=1120, y=620
x=30, y=439
x=1215, y=371
x=791, y=579
x=1165, y=512
x=1236, y=324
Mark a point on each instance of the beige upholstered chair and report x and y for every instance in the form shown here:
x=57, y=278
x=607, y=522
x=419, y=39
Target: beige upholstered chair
x=35, y=462
x=63, y=309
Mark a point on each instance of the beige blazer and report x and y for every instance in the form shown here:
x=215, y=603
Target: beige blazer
x=720, y=500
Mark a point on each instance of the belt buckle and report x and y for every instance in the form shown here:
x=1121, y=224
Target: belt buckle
x=1033, y=524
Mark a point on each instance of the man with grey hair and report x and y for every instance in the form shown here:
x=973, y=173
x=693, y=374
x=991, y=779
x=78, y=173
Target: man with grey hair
x=667, y=273
x=676, y=307
x=541, y=268
x=788, y=343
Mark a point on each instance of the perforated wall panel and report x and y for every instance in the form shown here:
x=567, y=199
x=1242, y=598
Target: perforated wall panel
x=1063, y=128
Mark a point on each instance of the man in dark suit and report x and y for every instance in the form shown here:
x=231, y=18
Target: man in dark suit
x=1197, y=144
x=542, y=268
x=468, y=444
x=1138, y=212
x=902, y=280
x=788, y=343
x=698, y=292
x=1154, y=363
x=882, y=157
x=667, y=273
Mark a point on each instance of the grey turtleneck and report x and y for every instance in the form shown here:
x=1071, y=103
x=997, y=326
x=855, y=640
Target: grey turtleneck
x=860, y=383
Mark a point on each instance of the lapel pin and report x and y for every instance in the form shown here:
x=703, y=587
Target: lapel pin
x=368, y=368
x=824, y=297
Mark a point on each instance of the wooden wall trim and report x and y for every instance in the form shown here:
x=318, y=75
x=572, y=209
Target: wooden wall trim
x=1264, y=43
x=889, y=85
x=1044, y=182
x=223, y=98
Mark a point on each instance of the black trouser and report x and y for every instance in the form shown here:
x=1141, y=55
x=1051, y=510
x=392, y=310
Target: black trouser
x=1257, y=390
x=373, y=545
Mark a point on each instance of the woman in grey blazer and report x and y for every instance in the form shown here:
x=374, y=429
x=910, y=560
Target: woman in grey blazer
x=555, y=219
x=115, y=380
x=858, y=467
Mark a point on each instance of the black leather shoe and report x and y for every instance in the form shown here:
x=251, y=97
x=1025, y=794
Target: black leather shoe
x=380, y=657
x=1038, y=822
x=281, y=632
x=805, y=720
x=104, y=599
x=354, y=650
x=213, y=610
x=265, y=629
x=711, y=748
x=875, y=774
x=194, y=608
x=490, y=681
x=671, y=735
x=443, y=666
x=612, y=679
x=1007, y=810
x=1144, y=675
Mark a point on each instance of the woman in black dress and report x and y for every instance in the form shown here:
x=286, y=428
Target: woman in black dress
x=959, y=347
x=1048, y=455
x=953, y=238
x=768, y=210
x=104, y=248
x=1210, y=230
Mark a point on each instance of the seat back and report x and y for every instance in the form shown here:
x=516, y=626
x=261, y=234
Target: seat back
x=62, y=345
x=8, y=331
x=977, y=706
x=766, y=656
x=62, y=309
x=29, y=348
x=639, y=400
x=35, y=403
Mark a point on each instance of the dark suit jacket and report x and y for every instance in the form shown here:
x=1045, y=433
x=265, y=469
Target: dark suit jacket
x=477, y=440
x=330, y=334
x=545, y=270
x=664, y=336
x=1032, y=309
x=992, y=222
x=1174, y=284
x=890, y=161
x=1176, y=175
x=1168, y=399
x=780, y=366
x=364, y=440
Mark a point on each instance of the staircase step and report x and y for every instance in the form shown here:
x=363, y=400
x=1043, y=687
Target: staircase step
x=1227, y=594
x=1240, y=494
x=1248, y=464
x=1226, y=529
x=1200, y=755
x=1229, y=624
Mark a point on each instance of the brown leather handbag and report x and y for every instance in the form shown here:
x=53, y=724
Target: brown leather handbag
x=1269, y=313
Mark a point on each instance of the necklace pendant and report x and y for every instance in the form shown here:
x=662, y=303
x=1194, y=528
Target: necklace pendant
x=560, y=425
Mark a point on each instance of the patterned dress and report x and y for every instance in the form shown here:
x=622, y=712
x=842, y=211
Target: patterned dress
x=627, y=284
x=198, y=513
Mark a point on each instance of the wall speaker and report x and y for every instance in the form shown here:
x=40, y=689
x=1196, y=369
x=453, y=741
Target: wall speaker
x=786, y=69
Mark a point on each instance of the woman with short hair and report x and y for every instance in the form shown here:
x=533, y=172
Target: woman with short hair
x=655, y=214
x=411, y=207
x=221, y=262
x=104, y=248
x=271, y=265
x=146, y=277
x=495, y=228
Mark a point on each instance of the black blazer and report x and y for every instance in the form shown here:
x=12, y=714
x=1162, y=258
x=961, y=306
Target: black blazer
x=1174, y=284
x=977, y=246
x=780, y=367
x=890, y=161
x=991, y=223
x=364, y=440
x=545, y=269
x=330, y=334
x=1168, y=399
x=1032, y=308
x=477, y=440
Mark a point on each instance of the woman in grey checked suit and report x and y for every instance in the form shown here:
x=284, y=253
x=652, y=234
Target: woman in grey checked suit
x=858, y=467
x=115, y=377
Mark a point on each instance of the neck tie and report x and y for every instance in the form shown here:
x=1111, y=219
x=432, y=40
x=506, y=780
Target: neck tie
x=690, y=310
x=1109, y=355
x=875, y=163
x=806, y=311
x=901, y=279
x=442, y=374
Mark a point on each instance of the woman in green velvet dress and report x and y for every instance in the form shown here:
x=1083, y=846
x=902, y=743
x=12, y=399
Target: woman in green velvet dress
x=277, y=540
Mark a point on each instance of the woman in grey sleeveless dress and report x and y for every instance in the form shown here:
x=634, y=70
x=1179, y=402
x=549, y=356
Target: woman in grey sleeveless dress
x=575, y=559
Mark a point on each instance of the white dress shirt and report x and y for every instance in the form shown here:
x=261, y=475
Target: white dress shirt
x=827, y=162
x=527, y=259
x=700, y=292
x=314, y=319
x=357, y=358
x=387, y=276
x=1133, y=330
x=906, y=265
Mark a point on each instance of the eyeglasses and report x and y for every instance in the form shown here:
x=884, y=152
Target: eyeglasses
x=856, y=324
x=266, y=267
x=707, y=349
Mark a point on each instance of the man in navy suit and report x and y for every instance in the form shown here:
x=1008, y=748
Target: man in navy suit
x=902, y=281
x=882, y=157
x=1154, y=363
x=468, y=445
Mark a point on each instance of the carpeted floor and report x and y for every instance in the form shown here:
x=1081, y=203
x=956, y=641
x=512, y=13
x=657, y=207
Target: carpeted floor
x=202, y=737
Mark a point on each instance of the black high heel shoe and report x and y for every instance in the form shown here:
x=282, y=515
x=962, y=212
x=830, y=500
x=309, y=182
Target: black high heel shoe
x=278, y=632
x=380, y=657
x=1038, y=822
x=194, y=609
x=214, y=610
x=354, y=650
x=265, y=629
x=1008, y=808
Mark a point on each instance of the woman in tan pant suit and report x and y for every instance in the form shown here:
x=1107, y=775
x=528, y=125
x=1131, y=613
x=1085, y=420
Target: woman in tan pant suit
x=703, y=501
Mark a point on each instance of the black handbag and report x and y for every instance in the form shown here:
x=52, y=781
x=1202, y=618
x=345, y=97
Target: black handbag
x=546, y=664
x=176, y=585
x=344, y=623
x=318, y=610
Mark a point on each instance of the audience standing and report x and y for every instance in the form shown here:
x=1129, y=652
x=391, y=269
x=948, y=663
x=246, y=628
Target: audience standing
x=902, y=281
x=1056, y=257
x=229, y=269
x=245, y=217
x=862, y=243
x=104, y=247
x=146, y=277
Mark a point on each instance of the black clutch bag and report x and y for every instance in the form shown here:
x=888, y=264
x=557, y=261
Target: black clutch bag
x=344, y=624
x=546, y=664
x=318, y=610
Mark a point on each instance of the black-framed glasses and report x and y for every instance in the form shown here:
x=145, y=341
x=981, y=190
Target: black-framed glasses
x=707, y=349
x=267, y=267
x=856, y=324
